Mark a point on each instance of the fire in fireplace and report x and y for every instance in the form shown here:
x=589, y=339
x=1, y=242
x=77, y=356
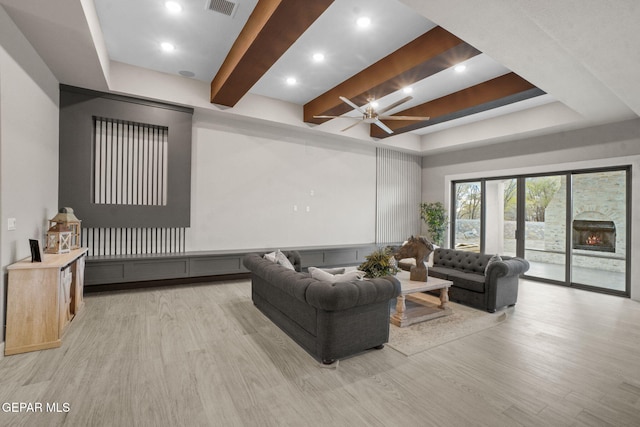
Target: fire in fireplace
x=594, y=235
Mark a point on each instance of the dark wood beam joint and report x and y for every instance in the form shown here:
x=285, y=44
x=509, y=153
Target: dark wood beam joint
x=426, y=55
x=274, y=25
x=493, y=93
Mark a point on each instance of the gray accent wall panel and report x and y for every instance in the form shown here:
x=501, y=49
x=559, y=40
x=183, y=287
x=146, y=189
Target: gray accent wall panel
x=78, y=107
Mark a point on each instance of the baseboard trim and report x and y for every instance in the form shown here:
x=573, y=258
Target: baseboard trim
x=165, y=282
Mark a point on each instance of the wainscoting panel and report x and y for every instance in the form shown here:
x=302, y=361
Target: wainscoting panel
x=399, y=188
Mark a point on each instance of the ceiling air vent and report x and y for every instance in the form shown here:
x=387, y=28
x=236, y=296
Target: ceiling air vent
x=222, y=6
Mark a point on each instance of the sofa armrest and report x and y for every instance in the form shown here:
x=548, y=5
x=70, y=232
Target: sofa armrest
x=343, y=295
x=510, y=267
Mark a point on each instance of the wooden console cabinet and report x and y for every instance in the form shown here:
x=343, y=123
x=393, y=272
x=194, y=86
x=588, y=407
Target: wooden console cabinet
x=42, y=298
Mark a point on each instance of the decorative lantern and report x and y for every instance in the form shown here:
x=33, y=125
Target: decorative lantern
x=58, y=240
x=66, y=218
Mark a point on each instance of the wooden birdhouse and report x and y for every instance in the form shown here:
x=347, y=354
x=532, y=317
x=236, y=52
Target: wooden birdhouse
x=66, y=218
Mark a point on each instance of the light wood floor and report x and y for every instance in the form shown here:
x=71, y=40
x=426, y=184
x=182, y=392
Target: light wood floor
x=202, y=355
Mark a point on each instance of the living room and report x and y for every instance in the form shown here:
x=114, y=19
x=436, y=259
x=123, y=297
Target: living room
x=249, y=172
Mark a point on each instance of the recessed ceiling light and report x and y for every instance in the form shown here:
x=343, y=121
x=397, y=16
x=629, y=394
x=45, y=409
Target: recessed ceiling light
x=173, y=7
x=318, y=57
x=167, y=47
x=187, y=73
x=363, y=22
x=291, y=81
x=374, y=104
x=407, y=89
x=460, y=68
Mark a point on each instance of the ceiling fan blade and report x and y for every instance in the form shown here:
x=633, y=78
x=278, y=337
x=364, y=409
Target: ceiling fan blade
x=382, y=126
x=348, y=101
x=395, y=104
x=349, y=127
x=329, y=117
x=414, y=118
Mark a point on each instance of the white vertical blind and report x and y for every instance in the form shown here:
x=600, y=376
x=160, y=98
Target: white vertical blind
x=125, y=241
x=399, y=188
x=130, y=163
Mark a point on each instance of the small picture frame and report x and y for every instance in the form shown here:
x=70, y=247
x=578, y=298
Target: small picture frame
x=36, y=252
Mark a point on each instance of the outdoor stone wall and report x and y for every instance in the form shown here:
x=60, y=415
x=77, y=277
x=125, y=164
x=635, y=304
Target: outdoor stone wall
x=596, y=196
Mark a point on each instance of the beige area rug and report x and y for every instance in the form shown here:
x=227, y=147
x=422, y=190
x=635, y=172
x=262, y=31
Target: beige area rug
x=464, y=321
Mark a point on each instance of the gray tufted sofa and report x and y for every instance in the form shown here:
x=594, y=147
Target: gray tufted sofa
x=471, y=286
x=329, y=320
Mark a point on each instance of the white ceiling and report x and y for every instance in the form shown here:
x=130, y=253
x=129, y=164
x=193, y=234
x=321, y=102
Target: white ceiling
x=590, y=77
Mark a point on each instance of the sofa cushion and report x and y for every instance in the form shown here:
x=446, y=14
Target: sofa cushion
x=470, y=281
x=440, y=272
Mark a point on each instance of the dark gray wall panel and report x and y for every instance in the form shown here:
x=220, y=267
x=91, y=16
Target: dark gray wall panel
x=77, y=109
x=211, y=266
x=129, y=268
x=158, y=269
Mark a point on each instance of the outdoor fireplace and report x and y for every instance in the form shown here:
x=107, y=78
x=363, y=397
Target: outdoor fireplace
x=594, y=235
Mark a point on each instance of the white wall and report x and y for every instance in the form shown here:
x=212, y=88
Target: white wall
x=251, y=189
x=602, y=146
x=28, y=146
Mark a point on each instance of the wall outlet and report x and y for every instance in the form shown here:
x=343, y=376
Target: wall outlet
x=11, y=224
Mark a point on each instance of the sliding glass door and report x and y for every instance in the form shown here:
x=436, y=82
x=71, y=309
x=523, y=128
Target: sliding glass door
x=468, y=216
x=545, y=213
x=572, y=227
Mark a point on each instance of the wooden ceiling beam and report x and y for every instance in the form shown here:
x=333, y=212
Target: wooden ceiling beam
x=272, y=27
x=496, y=92
x=428, y=54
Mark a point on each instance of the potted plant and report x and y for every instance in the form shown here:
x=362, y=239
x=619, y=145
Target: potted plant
x=435, y=216
x=379, y=263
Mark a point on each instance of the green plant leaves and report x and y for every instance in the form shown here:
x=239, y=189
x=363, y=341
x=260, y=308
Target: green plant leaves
x=379, y=263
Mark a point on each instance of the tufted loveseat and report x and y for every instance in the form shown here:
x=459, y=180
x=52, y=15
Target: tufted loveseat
x=329, y=320
x=489, y=288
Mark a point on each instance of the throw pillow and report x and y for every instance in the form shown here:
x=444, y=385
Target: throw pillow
x=493, y=259
x=334, y=270
x=350, y=275
x=283, y=260
x=430, y=259
x=320, y=274
x=271, y=256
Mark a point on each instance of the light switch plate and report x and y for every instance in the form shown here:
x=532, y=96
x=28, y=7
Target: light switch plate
x=11, y=224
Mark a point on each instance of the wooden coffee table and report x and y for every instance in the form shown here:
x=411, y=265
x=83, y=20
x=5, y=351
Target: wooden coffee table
x=422, y=310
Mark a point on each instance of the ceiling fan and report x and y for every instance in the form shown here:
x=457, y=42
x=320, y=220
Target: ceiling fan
x=370, y=115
